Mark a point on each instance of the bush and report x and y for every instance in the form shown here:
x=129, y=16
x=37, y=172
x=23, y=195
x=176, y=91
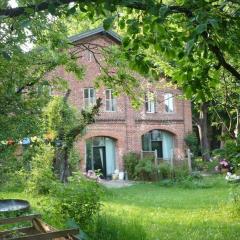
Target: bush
x=130, y=161
x=200, y=165
x=74, y=160
x=165, y=171
x=191, y=141
x=230, y=153
x=145, y=170
x=79, y=199
x=11, y=168
x=41, y=176
x=180, y=171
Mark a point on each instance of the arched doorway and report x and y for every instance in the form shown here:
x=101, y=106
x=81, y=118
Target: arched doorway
x=161, y=141
x=101, y=155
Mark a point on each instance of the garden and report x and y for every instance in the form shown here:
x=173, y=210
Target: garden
x=147, y=211
x=189, y=44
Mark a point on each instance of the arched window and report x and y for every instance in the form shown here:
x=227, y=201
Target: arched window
x=158, y=140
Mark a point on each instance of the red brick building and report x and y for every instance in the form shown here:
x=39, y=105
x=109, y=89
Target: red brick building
x=160, y=124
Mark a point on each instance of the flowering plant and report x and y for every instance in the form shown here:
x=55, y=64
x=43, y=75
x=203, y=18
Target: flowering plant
x=223, y=165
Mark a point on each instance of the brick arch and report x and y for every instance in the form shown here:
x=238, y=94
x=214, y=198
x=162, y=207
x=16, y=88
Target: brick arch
x=100, y=135
x=118, y=138
x=110, y=134
x=161, y=128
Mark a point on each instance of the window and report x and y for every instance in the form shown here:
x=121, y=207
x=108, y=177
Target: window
x=110, y=101
x=168, y=102
x=89, y=97
x=150, y=103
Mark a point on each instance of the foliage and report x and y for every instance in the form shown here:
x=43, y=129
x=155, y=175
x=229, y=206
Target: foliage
x=41, y=177
x=230, y=152
x=145, y=169
x=165, y=171
x=62, y=125
x=8, y=163
x=74, y=160
x=130, y=161
x=191, y=141
x=59, y=118
x=78, y=200
x=147, y=211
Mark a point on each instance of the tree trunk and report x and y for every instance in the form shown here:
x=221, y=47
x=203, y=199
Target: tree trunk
x=61, y=163
x=203, y=131
x=223, y=135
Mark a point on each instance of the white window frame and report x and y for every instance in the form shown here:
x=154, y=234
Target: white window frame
x=168, y=102
x=112, y=103
x=150, y=103
x=89, y=101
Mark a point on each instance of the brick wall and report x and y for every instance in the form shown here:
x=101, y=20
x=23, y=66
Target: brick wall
x=127, y=125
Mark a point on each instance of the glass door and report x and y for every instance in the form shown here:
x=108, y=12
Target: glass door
x=157, y=145
x=99, y=160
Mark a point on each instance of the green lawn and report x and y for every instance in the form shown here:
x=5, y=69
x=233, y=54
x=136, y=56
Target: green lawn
x=150, y=211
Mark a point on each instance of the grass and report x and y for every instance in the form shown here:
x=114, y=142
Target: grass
x=154, y=212
x=150, y=211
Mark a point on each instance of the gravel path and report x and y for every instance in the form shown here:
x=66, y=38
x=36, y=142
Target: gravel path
x=116, y=183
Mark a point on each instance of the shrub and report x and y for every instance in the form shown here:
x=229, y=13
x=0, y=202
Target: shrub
x=180, y=171
x=200, y=165
x=41, y=176
x=74, y=160
x=165, y=171
x=130, y=161
x=230, y=153
x=11, y=168
x=79, y=199
x=145, y=169
x=191, y=141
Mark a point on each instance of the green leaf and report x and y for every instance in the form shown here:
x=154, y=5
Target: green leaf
x=189, y=46
x=122, y=23
x=163, y=11
x=126, y=41
x=83, y=9
x=6, y=55
x=71, y=11
x=25, y=23
x=213, y=22
x=52, y=8
x=108, y=22
x=201, y=28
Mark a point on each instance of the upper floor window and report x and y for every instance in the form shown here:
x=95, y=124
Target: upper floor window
x=89, y=97
x=150, y=103
x=110, y=101
x=168, y=102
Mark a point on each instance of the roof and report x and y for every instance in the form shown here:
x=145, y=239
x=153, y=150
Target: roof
x=95, y=31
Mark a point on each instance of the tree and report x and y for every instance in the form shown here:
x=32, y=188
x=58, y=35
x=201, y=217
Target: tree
x=190, y=42
x=194, y=28
x=62, y=124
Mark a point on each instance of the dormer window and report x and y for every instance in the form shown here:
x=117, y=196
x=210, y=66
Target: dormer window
x=150, y=103
x=168, y=102
x=89, y=97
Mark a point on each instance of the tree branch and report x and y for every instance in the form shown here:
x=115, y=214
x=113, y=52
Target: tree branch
x=18, y=11
x=138, y=4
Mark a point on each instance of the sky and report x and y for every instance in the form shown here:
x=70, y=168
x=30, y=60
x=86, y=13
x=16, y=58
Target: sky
x=12, y=3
